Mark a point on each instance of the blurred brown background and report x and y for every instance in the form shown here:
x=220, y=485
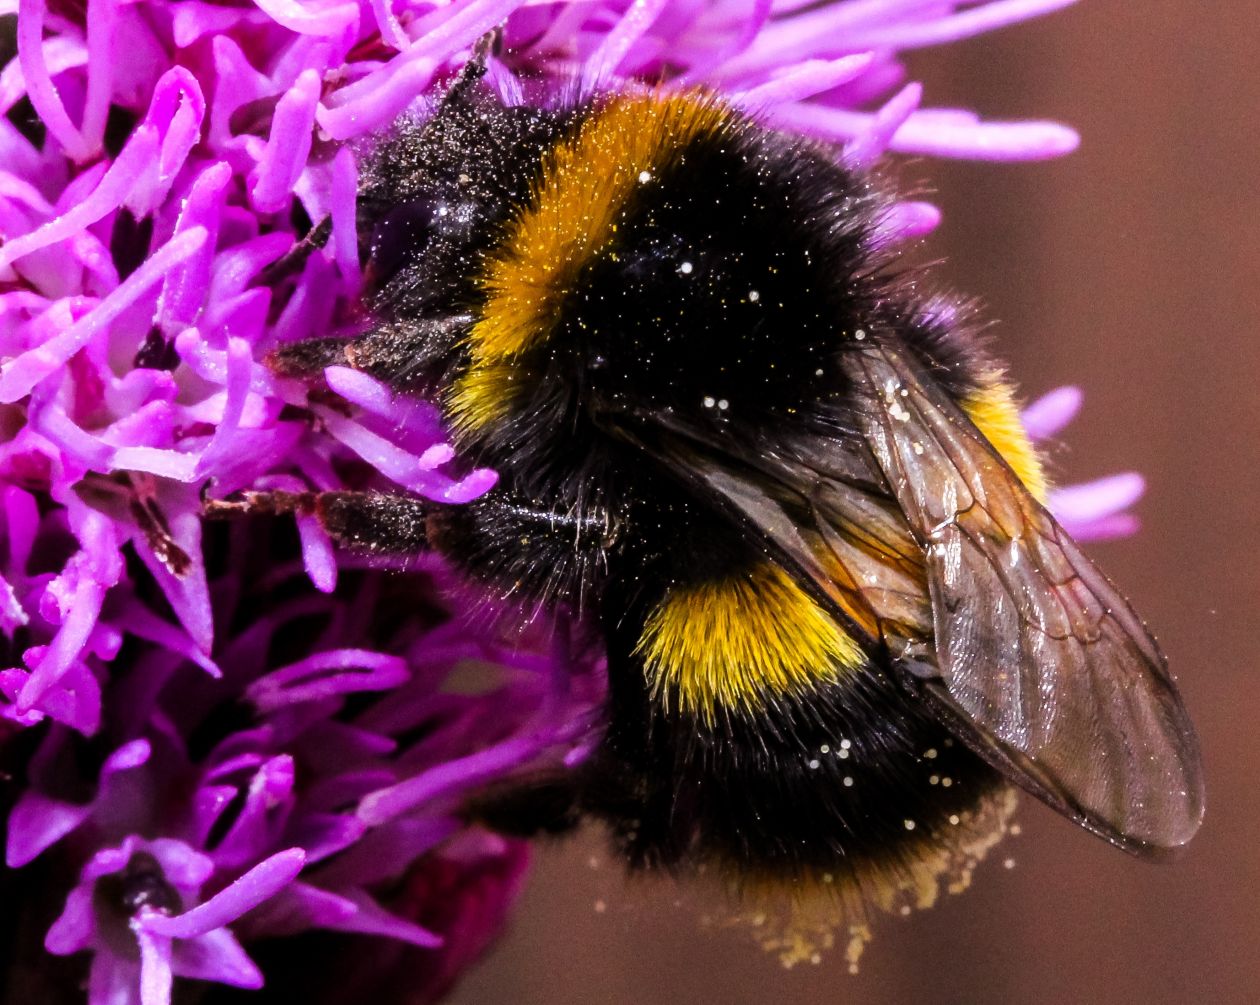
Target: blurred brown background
x=1130, y=268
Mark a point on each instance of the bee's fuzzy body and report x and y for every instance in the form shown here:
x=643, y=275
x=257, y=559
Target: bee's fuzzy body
x=788, y=489
x=675, y=309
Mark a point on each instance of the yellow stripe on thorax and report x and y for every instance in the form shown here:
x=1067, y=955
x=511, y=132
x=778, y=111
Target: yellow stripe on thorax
x=735, y=642
x=996, y=415
x=570, y=219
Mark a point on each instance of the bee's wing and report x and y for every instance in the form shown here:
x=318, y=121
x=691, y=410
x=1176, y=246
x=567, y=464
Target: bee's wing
x=1024, y=648
x=1041, y=663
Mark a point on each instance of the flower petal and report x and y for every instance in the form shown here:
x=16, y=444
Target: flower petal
x=155, y=965
x=1050, y=414
x=216, y=956
x=250, y=890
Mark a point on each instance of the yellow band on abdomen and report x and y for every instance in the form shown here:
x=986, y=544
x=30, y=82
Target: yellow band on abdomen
x=733, y=642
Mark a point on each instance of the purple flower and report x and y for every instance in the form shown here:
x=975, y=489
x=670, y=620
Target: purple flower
x=138, y=893
x=227, y=733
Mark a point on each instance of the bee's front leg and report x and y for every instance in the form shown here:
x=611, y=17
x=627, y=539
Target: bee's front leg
x=364, y=521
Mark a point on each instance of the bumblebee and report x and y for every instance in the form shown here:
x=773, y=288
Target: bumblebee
x=792, y=494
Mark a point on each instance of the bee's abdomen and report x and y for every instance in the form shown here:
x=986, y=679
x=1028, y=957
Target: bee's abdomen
x=825, y=769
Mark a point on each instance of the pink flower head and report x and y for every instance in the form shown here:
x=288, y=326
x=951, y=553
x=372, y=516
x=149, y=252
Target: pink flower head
x=226, y=733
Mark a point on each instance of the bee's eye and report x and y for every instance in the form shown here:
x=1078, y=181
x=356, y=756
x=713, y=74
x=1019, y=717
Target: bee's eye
x=402, y=234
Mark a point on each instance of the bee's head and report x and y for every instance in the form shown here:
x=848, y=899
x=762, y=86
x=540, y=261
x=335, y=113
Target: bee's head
x=433, y=198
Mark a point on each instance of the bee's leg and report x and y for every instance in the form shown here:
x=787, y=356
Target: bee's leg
x=395, y=354
x=531, y=806
x=490, y=44
x=397, y=524
x=364, y=521
x=294, y=259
